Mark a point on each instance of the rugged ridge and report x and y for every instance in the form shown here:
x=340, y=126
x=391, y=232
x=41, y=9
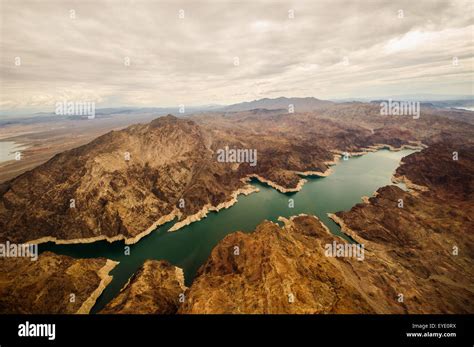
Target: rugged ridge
x=299, y=104
x=154, y=289
x=114, y=197
x=418, y=258
x=277, y=270
x=173, y=172
x=46, y=286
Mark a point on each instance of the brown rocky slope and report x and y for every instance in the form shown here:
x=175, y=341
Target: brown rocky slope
x=173, y=159
x=418, y=258
x=52, y=284
x=154, y=289
x=277, y=270
x=115, y=197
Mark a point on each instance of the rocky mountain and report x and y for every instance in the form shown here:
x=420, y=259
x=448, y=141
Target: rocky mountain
x=299, y=104
x=418, y=258
x=118, y=186
x=276, y=270
x=125, y=183
x=52, y=284
x=154, y=289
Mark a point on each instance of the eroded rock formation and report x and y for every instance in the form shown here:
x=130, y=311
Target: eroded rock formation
x=125, y=183
x=52, y=284
x=419, y=252
x=154, y=289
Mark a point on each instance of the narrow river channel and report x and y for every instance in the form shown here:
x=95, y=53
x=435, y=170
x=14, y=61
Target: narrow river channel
x=190, y=246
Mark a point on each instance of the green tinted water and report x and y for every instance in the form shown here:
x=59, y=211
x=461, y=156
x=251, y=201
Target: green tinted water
x=190, y=246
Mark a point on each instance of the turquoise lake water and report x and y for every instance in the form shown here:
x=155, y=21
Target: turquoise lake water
x=190, y=246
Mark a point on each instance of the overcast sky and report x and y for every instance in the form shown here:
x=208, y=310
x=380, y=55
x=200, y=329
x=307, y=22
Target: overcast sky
x=228, y=52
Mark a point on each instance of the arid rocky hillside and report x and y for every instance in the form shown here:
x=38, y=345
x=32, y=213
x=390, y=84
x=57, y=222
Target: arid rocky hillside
x=125, y=183
x=122, y=183
x=276, y=270
x=52, y=284
x=419, y=255
x=154, y=289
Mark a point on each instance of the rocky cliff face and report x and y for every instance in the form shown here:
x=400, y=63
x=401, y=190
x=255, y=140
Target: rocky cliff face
x=154, y=289
x=427, y=259
x=125, y=183
x=446, y=168
x=121, y=184
x=276, y=270
x=52, y=284
x=427, y=240
x=418, y=258
x=407, y=267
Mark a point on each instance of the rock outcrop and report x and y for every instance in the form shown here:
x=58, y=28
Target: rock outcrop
x=116, y=187
x=276, y=270
x=418, y=252
x=125, y=183
x=52, y=284
x=418, y=258
x=154, y=289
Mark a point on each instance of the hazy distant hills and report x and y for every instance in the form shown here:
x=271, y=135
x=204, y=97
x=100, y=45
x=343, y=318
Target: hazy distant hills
x=410, y=97
x=299, y=104
x=105, y=113
x=305, y=104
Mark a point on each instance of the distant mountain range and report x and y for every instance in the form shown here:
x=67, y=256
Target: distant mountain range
x=299, y=104
x=303, y=104
x=410, y=97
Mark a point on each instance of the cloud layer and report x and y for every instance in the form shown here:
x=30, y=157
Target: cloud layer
x=145, y=53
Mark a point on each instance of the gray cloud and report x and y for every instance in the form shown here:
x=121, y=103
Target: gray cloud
x=191, y=60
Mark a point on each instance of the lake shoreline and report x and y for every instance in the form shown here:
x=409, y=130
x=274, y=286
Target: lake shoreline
x=190, y=249
x=246, y=190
